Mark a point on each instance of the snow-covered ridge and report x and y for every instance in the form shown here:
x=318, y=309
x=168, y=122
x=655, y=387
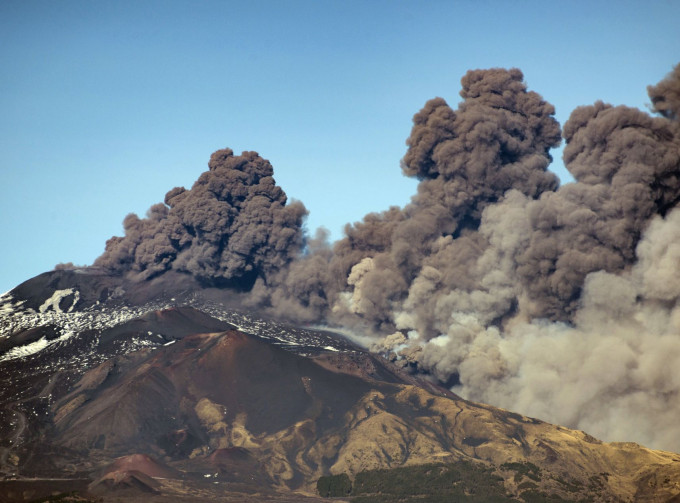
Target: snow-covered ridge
x=33, y=347
x=14, y=317
x=7, y=306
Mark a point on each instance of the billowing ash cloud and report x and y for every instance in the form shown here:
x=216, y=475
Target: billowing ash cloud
x=612, y=372
x=558, y=302
x=230, y=229
x=466, y=160
x=626, y=168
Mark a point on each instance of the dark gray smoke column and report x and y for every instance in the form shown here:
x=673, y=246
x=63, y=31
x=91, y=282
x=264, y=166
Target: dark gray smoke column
x=627, y=170
x=602, y=253
x=459, y=282
x=230, y=229
x=497, y=140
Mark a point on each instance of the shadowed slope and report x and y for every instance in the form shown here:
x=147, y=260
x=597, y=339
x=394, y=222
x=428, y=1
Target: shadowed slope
x=231, y=405
x=225, y=407
x=214, y=380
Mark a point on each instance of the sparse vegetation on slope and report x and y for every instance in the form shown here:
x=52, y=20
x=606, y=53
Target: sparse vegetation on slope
x=333, y=486
x=464, y=481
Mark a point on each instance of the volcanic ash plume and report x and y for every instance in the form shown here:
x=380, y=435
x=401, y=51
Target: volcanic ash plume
x=613, y=372
x=600, y=255
x=557, y=302
x=466, y=160
x=230, y=229
x=626, y=168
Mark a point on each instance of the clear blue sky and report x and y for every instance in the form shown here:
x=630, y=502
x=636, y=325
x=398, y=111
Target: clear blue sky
x=106, y=105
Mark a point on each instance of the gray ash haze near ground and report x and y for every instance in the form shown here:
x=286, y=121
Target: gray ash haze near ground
x=559, y=302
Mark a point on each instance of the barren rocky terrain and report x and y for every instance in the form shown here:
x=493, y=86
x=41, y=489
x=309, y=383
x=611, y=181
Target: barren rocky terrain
x=182, y=399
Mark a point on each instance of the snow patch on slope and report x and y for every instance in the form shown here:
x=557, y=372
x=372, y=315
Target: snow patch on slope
x=56, y=299
x=33, y=347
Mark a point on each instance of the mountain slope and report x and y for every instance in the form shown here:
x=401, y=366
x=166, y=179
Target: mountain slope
x=172, y=401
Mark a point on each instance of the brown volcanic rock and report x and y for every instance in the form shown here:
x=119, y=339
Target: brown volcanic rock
x=234, y=464
x=413, y=427
x=203, y=379
x=234, y=412
x=231, y=406
x=125, y=483
x=132, y=475
x=168, y=324
x=141, y=463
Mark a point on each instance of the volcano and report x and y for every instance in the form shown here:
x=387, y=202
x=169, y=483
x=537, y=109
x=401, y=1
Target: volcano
x=120, y=390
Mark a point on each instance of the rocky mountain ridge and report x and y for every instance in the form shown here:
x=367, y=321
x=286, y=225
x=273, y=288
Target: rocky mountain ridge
x=158, y=390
